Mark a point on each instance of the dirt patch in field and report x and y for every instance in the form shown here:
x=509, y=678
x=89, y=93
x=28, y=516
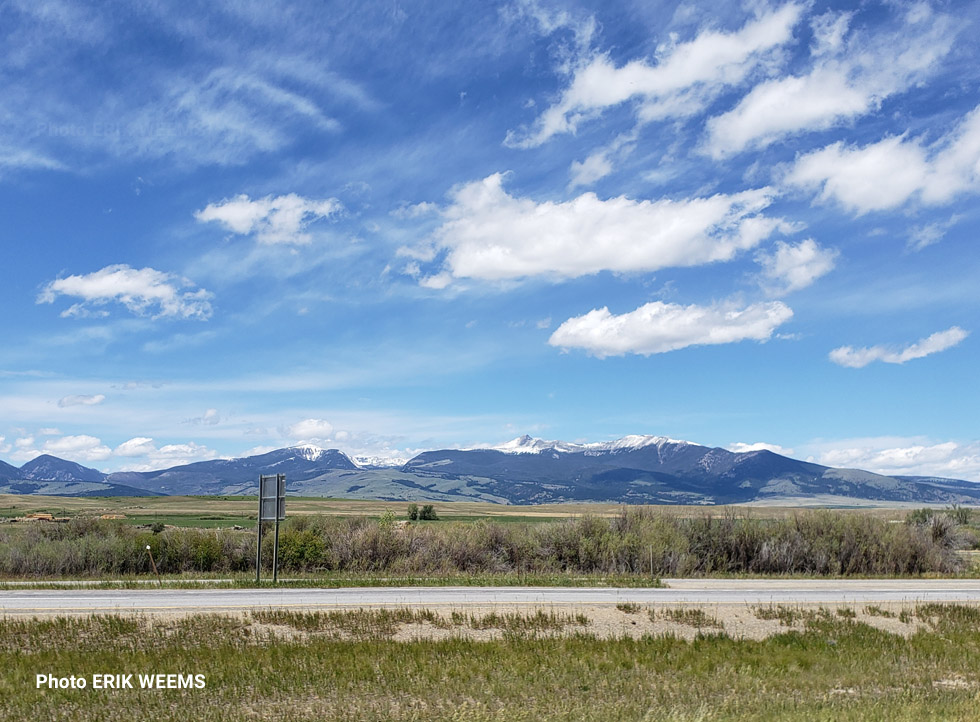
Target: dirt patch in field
x=489, y=622
x=738, y=621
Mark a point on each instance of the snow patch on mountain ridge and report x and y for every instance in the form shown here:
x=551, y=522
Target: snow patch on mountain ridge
x=309, y=452
x=530, y=445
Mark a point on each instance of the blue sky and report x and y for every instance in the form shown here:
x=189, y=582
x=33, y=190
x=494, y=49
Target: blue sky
x=390, y=227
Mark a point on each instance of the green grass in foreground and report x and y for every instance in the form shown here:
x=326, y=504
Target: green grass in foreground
x=835, y=670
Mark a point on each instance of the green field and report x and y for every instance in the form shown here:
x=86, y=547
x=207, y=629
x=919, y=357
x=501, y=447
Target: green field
x=226, y=511
x=546, y=666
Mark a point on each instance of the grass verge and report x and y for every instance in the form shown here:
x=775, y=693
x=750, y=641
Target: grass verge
x=832, y=669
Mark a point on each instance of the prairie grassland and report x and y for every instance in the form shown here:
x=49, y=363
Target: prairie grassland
x=540, y=667
x=244, y=507
x=186, y=510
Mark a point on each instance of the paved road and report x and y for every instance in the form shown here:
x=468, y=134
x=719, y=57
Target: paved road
x=679, y=591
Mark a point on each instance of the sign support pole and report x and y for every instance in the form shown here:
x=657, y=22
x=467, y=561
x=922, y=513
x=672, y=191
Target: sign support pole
x=272, y=507
x=258, y=546
x=280, y=503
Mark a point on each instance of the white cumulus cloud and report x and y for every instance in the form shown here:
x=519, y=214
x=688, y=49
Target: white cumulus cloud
x=489, y=234
x=153, y=457
x=659, y=327
x=906, y=456
x=740, y=447
x=310, y=430
x=137, y=446
x=81, y=448
x=792, y=267
x=684, y=78
x=141, y=290
x=887, y=174
x=271, y=220
x=850, y=77
x=859, y=357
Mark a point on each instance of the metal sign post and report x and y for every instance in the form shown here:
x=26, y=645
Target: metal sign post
x=272, y=507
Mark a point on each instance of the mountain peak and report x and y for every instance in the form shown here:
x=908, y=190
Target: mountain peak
x=527, y=444
x=309, y=452
x=50, y=468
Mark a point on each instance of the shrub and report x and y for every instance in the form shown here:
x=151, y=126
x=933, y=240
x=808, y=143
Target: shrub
x=387, y=520
x=638, y=541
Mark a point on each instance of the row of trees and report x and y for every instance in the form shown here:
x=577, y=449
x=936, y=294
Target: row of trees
x=426, y=513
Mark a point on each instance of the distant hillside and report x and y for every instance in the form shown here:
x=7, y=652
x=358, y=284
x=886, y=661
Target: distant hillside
x=56, y=477
x=635, y=469
x=71, y=488
x=7, y=471
x=51, y=468
x=658, y=470
x=239, y=476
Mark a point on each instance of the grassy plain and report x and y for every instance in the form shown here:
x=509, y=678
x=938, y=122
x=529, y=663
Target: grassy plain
x=541, y=666
x=214, y=511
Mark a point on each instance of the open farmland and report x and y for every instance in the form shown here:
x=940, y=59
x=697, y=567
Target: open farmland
x=229, y=510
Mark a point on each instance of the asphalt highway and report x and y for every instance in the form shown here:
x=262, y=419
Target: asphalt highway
x=691, y=592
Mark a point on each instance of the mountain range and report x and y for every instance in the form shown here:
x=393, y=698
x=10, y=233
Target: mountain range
x=634, y=469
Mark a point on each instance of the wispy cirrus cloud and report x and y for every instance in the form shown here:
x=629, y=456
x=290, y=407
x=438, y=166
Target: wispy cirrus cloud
x=659, y=327
x=24, y=159
x=930, y=233
x=271, y=220
x=490, y=235
x=210, y=417
x=860, y=357
x=205, y=103
x=81, y=400
x=143, y=291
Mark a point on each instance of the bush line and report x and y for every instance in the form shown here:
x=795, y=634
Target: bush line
x=639, y=541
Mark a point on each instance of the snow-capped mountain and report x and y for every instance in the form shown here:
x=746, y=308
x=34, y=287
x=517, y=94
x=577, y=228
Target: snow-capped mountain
x=633, y=469
x=379, y=462
x=661, y=470
x=238, y=476
x=308, y=452
x=531, y=445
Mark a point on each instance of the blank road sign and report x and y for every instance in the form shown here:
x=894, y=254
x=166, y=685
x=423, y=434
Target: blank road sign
x=272, y=497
